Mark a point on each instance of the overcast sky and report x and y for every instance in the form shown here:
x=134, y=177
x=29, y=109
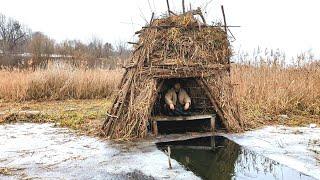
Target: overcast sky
x=290, y=25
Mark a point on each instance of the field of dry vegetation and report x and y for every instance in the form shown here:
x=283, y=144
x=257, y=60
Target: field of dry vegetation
x=276, y=94
x=267, y=94
x=268, y=90
x=57, y=82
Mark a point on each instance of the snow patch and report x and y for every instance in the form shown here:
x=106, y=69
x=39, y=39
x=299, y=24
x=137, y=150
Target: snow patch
x=53, y=153
x=287, y=145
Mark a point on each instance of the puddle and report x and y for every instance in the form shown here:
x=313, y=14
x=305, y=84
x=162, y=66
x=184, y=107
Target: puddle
x=219, y=158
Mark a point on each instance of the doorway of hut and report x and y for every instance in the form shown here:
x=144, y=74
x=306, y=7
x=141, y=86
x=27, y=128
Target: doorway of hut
x=199, y=117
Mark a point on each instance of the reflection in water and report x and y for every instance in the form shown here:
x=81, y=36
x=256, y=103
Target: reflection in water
x=219, y=158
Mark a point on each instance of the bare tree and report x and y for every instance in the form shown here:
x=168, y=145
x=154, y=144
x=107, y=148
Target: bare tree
x=41, y=47
x=66, y=48
x=16, y=39
x=122, y=52
x=108, y=50
x=13, y=35
x=96, y=47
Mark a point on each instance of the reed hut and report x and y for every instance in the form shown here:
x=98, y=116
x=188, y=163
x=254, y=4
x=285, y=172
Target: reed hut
x=174, y=48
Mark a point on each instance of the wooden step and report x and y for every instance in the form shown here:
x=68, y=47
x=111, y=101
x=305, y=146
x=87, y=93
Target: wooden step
x=155, y=119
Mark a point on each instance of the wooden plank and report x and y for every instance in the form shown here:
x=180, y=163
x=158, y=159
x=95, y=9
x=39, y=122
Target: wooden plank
x=182, y=118
x=193, y=147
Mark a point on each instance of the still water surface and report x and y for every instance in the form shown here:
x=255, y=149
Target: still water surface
x=219, y=158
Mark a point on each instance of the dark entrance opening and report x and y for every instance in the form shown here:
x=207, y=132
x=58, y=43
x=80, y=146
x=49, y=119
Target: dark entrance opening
x=174, y=127
x=200, y=102
x=200, y=105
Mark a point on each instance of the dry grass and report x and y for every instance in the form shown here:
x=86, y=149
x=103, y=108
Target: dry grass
x=58, y=82
x=264, y=92
x=85, y=116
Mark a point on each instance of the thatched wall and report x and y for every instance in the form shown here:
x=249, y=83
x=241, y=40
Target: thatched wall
x=173, y=47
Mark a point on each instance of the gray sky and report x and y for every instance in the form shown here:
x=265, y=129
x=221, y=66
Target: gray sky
x=290, y=25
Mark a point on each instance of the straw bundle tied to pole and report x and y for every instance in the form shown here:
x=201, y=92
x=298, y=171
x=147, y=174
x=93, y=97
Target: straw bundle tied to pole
x=176, y=46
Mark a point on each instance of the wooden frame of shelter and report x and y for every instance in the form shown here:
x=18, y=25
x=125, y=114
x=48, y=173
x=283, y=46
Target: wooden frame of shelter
x=174, y=47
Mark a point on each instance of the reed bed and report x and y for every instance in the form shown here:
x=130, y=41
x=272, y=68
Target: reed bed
x=265, y=92
x=57, y=82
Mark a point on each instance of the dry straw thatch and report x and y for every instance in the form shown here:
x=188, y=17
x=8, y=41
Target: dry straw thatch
x=177, y=46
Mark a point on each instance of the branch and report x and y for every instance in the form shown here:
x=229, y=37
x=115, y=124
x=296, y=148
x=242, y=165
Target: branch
x=168, y=6
x=183, y=7
x=224, y=19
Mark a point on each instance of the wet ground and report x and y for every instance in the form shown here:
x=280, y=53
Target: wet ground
x=41, y=151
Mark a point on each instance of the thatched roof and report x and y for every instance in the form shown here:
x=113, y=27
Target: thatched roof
x=184, y=40
x=178, y=46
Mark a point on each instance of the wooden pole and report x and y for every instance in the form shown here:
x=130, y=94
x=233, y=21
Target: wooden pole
x=213, y=142
x=224, y=19
x=168, y=152
x=225, y=28
x=183, y=7
x=151, y=19
x=213, y=123
x=168, y=5
x=155, y=128
x=201, y=82
x=201, y=15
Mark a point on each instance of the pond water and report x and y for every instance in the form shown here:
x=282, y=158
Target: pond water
x=219, y=158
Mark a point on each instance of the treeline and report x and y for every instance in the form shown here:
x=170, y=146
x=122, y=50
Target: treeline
x=21, y=47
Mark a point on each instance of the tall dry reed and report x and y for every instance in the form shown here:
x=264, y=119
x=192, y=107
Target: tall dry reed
x=275, y=90
x=261, y=89
x=59, y=81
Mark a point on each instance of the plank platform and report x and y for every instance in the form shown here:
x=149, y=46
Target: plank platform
x=156, y=119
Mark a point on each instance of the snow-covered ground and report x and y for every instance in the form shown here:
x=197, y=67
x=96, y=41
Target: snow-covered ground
x=46, y=152
x=294, y=147
x=42, y=151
